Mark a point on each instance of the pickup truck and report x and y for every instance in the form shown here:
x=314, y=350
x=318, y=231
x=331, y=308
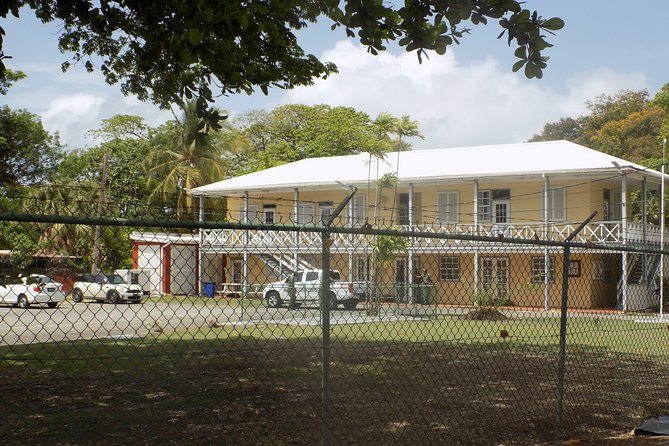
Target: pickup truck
x=308, y=287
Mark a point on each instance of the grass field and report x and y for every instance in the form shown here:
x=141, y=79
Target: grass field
x=439, y=381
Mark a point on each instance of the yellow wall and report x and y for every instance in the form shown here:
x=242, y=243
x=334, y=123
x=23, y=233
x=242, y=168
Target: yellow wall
x=585, y=291
x=583, y=197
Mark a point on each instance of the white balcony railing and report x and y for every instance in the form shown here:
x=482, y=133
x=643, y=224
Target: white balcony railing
x=597, y=232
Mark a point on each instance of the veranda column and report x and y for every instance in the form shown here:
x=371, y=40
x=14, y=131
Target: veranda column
x=476, y=231
x=351, y=247
x=547, y=258
x=644, y=235
x=410, y=250
x=200, y=255
x=245, y=283
x=623, y=218
x=296, y=235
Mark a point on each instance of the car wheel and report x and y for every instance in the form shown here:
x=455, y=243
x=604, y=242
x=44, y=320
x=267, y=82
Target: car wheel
x=77, y=295
x=350, y=304
x=333, y=301
x=52, y=304
x=113, y=297
x=23, y=301
x=273, y=299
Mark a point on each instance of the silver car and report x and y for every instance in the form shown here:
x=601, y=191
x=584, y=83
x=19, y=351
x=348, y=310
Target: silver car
x=32, y=289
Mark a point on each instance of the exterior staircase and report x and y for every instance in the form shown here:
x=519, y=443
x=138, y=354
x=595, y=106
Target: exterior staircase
x=640, y=286
x=283, y=265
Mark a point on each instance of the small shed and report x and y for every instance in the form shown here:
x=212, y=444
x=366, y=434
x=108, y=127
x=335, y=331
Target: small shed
x=169, y=260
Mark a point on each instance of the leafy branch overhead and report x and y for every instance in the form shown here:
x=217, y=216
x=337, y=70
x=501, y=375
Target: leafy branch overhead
x=169, y=51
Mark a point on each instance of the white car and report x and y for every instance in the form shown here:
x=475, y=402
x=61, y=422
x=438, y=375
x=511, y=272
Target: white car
x=32, y=289
x=105, y=287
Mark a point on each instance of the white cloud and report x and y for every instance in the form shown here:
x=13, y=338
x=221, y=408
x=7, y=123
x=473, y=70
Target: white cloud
x=72, y=115
x=456, y=104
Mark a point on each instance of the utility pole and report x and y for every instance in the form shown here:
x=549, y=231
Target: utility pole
x=95, y=267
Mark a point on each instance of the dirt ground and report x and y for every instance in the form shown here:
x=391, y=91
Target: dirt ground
x=268, y=393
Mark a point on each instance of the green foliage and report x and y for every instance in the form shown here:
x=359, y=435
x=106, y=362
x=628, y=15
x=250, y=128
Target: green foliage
x=293, y=132
x=28, y=153
x=183, y=155
x=628, y=125
x=122, y=127
x=126, y=183
x=386, y=247
x=566, y=128
x=9, y=78
x=175, y=50
x=488, y=298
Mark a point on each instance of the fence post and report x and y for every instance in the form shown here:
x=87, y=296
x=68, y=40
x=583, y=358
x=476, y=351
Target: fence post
x=563, y=344
x=325, y=326
x=563, y=329
x=325, y=321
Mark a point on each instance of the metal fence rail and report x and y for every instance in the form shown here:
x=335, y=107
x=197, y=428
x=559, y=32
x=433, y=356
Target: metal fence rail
x=393, y=337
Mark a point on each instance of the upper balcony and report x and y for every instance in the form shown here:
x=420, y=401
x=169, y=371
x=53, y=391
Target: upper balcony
x=608, y=232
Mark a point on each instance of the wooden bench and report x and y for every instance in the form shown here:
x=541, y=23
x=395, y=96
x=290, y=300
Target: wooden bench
x=234, y=290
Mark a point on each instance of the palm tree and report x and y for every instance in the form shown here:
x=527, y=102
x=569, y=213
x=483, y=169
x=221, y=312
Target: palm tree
x=63, y=199
x=404, y=128
x=382, y=126
x=185, y=156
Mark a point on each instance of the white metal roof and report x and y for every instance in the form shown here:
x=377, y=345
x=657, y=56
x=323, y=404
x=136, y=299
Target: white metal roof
x=523, y=160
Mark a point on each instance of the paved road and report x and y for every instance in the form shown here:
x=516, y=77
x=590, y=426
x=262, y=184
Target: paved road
x=92, y=320
x=102, y=320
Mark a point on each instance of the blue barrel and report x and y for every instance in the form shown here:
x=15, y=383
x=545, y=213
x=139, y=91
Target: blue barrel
x=209, y=289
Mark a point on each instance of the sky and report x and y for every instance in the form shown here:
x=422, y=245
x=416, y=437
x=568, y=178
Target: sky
x=469, y=96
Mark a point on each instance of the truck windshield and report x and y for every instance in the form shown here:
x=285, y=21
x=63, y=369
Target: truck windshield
x=334, y=275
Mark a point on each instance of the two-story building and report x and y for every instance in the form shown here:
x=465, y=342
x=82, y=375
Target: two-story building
x=538, y=191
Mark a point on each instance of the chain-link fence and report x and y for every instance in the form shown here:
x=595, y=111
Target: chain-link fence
x=162, y=331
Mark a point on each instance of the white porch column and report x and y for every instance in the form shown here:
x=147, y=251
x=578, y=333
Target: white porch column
x=200, y=255
x=623, y=218
x=410, y=250
x=623, y=207
x=245, y=283
x=351, y=239
x=296, y=235
x=643, y=227
x=476, y=231
x=547, y=282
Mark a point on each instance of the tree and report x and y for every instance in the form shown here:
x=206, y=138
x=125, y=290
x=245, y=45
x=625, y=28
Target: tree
x=126, y=143
x=9, y=78
x=168, y=50
x=294, y=132
x=405, y=127
x=627, y=124
x=566, y=128
x=28, y=153
x=122, y=127
x=661, y=100
x=183, y=156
